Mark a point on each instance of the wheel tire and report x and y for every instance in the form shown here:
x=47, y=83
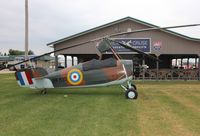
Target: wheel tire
x=131, y=94
x=134, y=86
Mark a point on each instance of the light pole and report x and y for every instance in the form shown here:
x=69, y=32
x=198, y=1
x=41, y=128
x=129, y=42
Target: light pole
x=26, y=29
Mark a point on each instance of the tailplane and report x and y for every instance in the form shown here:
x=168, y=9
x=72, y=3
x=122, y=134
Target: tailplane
x=26, y=77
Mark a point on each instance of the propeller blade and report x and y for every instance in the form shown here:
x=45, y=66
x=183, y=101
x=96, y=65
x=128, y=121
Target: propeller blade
x=154, y=28
x=135, y=50
x=75, y=45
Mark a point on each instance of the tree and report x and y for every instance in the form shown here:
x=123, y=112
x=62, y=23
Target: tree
x=15, y=52
x=18, y=52
x=30, y=52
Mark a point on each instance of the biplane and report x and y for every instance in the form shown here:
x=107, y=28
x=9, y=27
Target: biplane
x=93, y=73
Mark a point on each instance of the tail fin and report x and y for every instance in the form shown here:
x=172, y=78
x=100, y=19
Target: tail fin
x=25, y=78
x=38, y=72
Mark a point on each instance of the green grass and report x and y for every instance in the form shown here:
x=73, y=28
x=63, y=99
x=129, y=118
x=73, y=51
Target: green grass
x=167, y=108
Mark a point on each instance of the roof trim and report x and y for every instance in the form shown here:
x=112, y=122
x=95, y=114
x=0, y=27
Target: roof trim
x=119, y=21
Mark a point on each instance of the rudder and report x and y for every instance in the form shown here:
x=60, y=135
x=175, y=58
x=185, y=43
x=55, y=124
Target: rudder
x=26, y=77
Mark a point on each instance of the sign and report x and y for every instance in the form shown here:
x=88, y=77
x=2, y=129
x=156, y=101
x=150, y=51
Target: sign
x=157, y=45
x=142, y=44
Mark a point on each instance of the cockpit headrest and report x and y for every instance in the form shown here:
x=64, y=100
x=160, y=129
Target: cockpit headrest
x=103, y=45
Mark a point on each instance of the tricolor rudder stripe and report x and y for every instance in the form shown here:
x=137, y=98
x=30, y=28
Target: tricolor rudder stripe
x=24, y=78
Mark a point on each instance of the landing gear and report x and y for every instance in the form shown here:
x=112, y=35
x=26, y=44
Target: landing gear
x=133, y=86
x=130, y=91
x=44, y=91
x=131, y=94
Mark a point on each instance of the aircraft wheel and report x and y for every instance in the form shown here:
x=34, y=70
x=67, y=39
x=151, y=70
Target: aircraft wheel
x=131, y=94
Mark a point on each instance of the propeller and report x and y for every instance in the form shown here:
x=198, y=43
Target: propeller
x=35, y=58
x=154, y=28
x=110, y=36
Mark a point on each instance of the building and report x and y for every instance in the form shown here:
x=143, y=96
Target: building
x=44, y=61
x=166, y=45
x=4, y=60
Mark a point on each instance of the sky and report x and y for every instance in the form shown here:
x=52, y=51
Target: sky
x=50, y=20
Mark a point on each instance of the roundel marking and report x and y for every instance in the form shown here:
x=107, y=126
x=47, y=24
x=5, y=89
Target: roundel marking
x=74, y=77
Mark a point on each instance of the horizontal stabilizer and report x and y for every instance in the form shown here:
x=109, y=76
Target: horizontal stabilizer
x=26, y=77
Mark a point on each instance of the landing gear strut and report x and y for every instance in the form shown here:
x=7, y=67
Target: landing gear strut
x=44, y=91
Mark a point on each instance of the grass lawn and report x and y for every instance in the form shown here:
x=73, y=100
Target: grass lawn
x=165, y=108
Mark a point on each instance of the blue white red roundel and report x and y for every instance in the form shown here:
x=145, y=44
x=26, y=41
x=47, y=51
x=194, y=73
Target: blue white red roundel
x=74, y=77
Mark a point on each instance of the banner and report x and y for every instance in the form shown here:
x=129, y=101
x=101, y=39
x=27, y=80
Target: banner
x=142, y=44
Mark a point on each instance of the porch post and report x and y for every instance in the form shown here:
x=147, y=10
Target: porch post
x=65, y=56
x=181, y=62
x=56, y=63
x=187, y=62
x=176, y=63
x=199, y=68
x=157, y=67
x=196, y=62
x=72, y=60
x=143, y=70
